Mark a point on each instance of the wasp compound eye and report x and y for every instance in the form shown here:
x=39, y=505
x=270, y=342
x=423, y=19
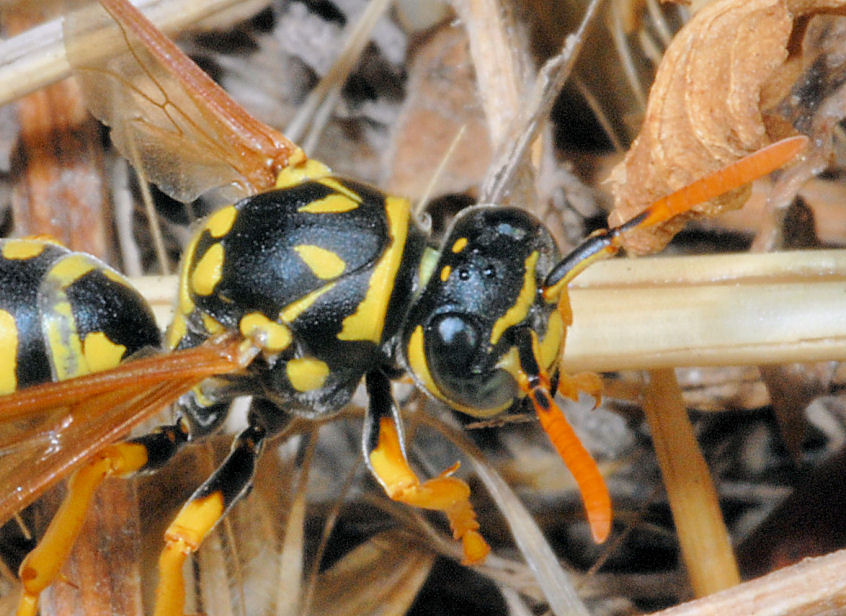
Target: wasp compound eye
x=455, y=342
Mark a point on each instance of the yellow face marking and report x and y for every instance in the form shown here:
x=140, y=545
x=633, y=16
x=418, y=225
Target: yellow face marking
x=524, y=301
x=9, y=359
x=100, y=352
x=553, y=341
x=290, y=312
x=417, y=361
x=459, y=244
x=273, y=336
x=297, y=174
x=331, y=204
x=445, y=272
x=306, y=373
x=219, y=223
x=18, y=250
x=369, y=318
x=510, y=362
x=416, y=356
x=323, y=263
x=208, y=270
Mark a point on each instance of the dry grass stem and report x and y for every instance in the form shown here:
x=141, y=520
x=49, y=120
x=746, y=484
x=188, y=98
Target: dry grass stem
x=716, y=311
x=36, y=58
x=813, y=587
x=739, y=309
x=705, y=543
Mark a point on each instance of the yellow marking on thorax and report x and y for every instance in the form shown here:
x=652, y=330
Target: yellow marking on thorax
x=323, y=263
x=185, y=304
x=208, y=271
x=219, y=223
x=19, y=250
x=428, y=262
x=331, y=204
x=293, y=175
x=100, y=352
x=212, y=325
x=9, y=359
x=445, y=272
x=524, y=301
x=176, y=330
x=200, y=396
x=273, y=336
x=368, y=321
x=290, y=312
x=459, y=244
x=339, y=187
x=306, y=373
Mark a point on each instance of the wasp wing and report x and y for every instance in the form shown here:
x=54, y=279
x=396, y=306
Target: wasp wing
x=47, y=431
x=167, y=116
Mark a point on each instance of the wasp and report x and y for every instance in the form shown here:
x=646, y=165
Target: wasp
x=294, y=294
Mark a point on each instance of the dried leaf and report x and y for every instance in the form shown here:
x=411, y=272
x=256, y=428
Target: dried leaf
x=704, y=110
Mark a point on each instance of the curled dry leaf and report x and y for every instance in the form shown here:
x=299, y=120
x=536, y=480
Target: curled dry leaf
x=708, y=108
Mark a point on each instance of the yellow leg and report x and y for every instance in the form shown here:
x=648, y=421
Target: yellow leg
x=182, y=538
x=199, y=516
x=41, y=567
x=447, y=494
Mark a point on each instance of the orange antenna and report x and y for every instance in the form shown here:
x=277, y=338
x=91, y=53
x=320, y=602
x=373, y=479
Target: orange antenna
x=607, y=242
x=534, y=382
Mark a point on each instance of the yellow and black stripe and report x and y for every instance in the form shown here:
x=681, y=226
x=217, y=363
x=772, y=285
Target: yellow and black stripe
x=64, y=314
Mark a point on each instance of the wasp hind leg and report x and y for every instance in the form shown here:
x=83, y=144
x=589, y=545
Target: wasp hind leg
x=384, y=452
x=201, y=513
x=43, y=564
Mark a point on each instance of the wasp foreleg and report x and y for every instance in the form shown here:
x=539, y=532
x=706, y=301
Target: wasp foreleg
x=384, y=452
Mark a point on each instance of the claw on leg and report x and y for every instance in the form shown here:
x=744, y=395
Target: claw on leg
x=443, y=493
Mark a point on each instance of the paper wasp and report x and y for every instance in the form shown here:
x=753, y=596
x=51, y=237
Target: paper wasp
x=294, y=294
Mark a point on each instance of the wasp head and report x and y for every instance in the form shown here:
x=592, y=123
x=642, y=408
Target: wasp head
x=483, y=293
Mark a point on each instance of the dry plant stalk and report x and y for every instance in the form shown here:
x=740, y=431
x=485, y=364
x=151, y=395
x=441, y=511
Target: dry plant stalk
x=744, y=309
x=719, y=310
x=36, y=58
x=705, y=543
x=813, y=587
